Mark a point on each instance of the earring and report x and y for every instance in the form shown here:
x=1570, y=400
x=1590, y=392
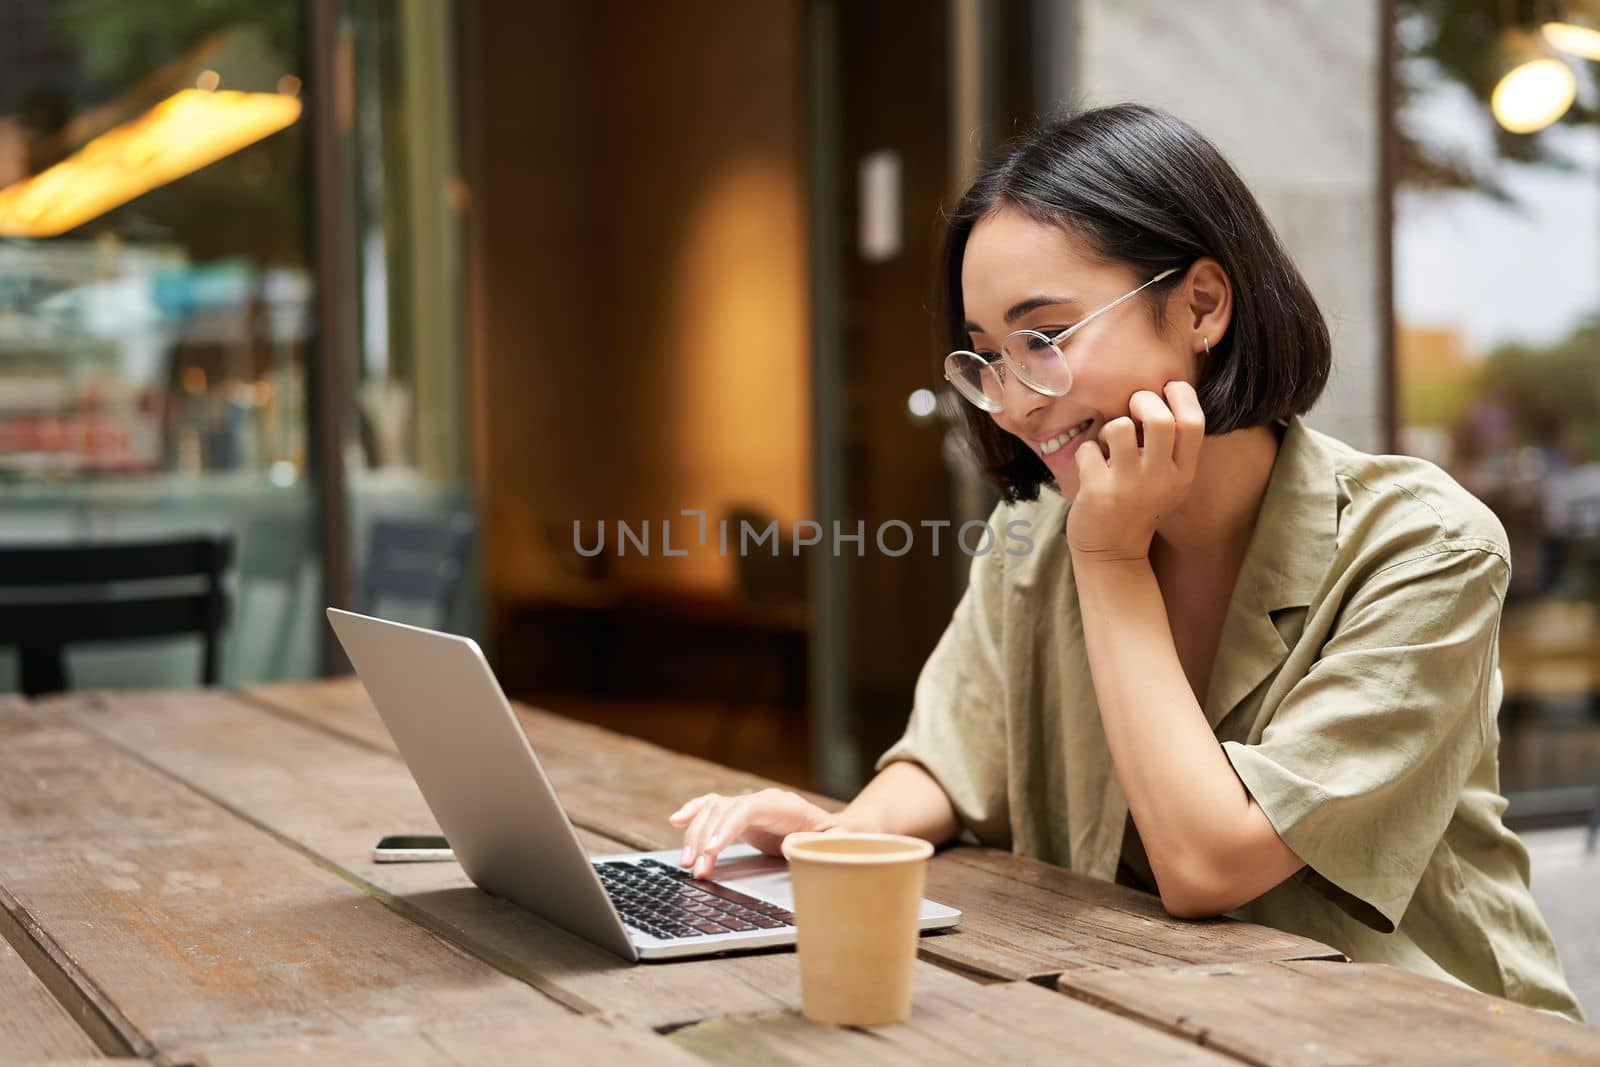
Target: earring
x=1207, y=342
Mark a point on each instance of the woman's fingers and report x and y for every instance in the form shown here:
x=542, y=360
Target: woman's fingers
x=1158, y=424
x=694, y=837
x=763, y=819
x=729, y=825
x=1121, y=441
x=714, y=824
x=1091, y=462
x=682, y=816
x=1190, y=419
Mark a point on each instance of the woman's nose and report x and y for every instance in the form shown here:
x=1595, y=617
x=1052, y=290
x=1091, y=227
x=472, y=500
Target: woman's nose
x=1020, y=401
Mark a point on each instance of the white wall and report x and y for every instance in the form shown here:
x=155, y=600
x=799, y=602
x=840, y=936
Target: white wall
x=1289, y=91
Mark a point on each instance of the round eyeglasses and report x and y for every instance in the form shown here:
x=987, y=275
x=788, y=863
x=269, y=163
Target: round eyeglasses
x=1035, y=358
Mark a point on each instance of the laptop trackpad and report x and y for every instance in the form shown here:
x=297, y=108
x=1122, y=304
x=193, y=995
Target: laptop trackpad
x=765, y=877
x=761, y=876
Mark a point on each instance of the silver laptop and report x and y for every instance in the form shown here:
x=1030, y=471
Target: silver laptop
x=480, y=777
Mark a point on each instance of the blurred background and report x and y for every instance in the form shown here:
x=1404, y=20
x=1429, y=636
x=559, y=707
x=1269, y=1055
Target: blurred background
x=412, y=300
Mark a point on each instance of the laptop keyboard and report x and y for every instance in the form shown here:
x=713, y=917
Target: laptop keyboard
x=666, y=901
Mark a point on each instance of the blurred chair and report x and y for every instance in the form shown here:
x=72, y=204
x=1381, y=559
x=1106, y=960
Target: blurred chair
x=1550, y=651
x=56, y=595
x=275, y=551
x=419, y=559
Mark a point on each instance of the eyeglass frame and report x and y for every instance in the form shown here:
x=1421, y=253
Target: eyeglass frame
x=1053, y=342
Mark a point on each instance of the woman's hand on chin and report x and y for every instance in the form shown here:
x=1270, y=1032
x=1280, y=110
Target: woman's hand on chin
x=1124, y=489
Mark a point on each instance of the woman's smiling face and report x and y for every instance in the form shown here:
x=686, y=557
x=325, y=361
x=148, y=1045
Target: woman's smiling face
x=1021, y=274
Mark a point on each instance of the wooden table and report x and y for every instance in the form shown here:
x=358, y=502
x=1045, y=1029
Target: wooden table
x=187, y=877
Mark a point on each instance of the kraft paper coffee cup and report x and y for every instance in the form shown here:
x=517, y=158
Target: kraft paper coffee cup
x=856, y=898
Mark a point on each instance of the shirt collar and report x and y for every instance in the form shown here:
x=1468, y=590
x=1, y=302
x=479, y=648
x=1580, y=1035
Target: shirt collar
x=1297, y=525
x=1294, y=537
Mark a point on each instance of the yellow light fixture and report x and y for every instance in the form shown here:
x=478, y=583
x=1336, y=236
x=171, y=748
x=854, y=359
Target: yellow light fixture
x=1537, y=88
x=1573, y=39
x=186, y=131
x=1576, y=31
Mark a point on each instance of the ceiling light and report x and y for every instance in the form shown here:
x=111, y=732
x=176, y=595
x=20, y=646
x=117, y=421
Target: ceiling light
x=186, y=131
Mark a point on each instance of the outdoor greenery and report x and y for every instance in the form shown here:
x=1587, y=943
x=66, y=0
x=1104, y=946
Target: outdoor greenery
x=1551, y=392
x=1460, y=42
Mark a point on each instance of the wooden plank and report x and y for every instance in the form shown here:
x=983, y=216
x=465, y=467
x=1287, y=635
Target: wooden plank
x=332, y=799
x=579, y=1040
x=33, y=1024
x=82, y=999
x=1022, y=918
x=1014, y=1023
x=1310, y=1012
x=1034, y=920
x=84, y=1002
x=200, y=929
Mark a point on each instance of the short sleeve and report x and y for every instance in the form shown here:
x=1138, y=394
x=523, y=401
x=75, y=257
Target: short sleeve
x=957, y=726
x=1363, y=763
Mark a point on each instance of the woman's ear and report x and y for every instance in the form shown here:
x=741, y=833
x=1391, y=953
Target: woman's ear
x=1207, y=308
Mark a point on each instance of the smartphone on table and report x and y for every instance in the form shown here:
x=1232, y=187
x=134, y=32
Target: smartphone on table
x=411, y=848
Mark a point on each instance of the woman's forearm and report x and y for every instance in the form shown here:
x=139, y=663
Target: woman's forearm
x=1191, y=810
x=903, y=799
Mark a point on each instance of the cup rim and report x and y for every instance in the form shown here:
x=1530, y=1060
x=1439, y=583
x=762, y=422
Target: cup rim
x=914, y=848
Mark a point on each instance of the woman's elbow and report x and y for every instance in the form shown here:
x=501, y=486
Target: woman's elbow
x=1198, y=894
x=1192, y=907
x=1205, y=883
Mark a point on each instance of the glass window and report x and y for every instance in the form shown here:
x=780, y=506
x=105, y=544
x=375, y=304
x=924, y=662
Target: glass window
x=155, y=291
x=1497, y=282
x=405, y=460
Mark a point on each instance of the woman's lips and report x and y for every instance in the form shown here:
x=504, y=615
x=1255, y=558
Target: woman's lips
x=1054, y=450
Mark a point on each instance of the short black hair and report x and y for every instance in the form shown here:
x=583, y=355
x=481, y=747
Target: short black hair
x=1143, y=188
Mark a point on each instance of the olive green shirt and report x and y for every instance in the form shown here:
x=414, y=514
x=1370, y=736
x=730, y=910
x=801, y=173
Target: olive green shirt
x=1355, y=691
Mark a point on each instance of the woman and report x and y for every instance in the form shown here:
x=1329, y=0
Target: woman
x=1244, y=666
